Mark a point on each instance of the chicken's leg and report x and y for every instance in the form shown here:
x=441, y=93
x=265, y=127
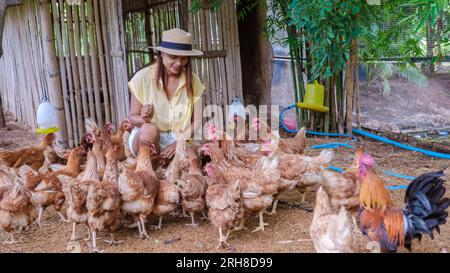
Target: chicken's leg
x=241, y=225
x=11, y=240
x=274, y=207
x=144, y=234
x=113, y=241
x=94, y=242
x=261, y=222
x=355, y=225
x=73, y=237
x=222, y=239
x=204, y=216
x=63, y=219
x=38, y=221
x=159, y=223
x=184, y=214
x=193, y=223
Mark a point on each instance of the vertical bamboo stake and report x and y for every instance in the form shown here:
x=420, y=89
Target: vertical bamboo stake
x=70, y=75
x=79, y=56
x=76, y=72
x=54, y=77
x=327, y=103
x=356, y=87
x=221, y=60
x=101, y=57
x=340, y=102
x=62, y=68
x=349, y=92
x=94, y=64
x=87, y=69
x=333, y=106
x=107, y=57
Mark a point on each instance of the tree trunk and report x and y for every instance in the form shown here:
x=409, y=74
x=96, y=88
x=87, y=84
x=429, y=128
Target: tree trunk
x=256, y=56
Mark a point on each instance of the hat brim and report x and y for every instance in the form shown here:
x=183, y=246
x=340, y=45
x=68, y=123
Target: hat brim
x=178, y=52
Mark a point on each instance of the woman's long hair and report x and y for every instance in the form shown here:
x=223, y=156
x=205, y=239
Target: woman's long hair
x=161, y=75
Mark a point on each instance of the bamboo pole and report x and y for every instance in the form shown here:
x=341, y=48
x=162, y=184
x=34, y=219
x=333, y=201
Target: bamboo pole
x=106, y=42
x=333, y=102
x=232, y=92
x=54, y=77
x=101, y=57
x=56, y=22
x=236, y=51
x=79, y=54
x=348, y=86
x=69, y=73
x=207, y=40
x=87, y=69
x=94, y=64
x=356, y=87
x=340, y=102
x=327, y=104
x=76, y=72
x=221, y=60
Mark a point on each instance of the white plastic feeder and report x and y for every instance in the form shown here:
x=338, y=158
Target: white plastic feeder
x=46, y=118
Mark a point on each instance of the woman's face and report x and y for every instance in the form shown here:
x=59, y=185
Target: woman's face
x=174, y=64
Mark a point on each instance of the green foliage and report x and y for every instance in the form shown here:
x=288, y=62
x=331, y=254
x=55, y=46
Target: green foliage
x=329, y=27
x=384, y=71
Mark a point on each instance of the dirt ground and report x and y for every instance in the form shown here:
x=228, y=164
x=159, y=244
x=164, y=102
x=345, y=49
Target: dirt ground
x=288, y=230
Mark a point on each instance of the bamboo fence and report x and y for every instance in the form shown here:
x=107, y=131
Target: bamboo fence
x=72, y=54
x=82, y=56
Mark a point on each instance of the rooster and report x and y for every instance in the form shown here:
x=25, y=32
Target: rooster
x=424, y=209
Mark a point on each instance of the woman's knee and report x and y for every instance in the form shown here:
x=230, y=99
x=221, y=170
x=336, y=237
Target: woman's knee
x=149, y=133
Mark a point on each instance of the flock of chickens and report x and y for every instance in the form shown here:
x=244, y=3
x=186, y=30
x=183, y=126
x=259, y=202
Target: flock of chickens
x=102, y=186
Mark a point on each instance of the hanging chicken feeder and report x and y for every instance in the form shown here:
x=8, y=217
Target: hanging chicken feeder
x=314, y=98
x=46, y=118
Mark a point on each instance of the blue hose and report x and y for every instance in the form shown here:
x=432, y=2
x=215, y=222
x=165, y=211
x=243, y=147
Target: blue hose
x=401, y=145
x=366, y=134
x=332, y=145
x=396, y=187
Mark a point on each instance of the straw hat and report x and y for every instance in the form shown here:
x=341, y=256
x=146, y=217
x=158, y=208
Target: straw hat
x=177, y=42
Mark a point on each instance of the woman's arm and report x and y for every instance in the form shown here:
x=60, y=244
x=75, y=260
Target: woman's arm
x=135, y=112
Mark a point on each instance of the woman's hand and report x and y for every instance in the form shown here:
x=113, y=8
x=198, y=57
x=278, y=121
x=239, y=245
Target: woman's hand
x=147, y=112
x=168, y=152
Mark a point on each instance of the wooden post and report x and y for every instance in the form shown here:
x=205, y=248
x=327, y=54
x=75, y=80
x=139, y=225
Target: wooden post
x=54, y=76
x=56, y=23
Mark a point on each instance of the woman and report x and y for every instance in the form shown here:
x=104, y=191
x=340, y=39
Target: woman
x=165, y=95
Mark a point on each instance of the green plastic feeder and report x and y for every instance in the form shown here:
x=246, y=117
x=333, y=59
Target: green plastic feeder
x=314, y=98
